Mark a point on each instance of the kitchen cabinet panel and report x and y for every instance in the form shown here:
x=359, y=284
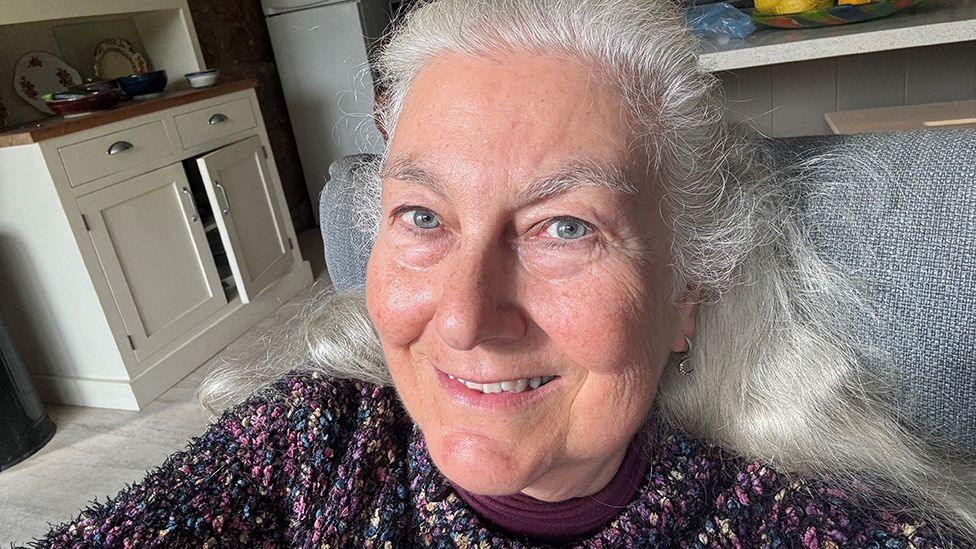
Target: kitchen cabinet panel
x=240, y=187
x=155, y=257
x=139, y=275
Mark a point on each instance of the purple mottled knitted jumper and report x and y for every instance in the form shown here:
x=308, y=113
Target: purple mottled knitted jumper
x=330, y=463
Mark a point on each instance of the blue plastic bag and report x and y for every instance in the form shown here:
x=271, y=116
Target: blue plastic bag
x=719, y=20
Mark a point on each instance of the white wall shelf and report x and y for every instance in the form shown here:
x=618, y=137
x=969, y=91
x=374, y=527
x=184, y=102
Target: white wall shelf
x=161, y=29
x=27, y=11
x=929, y=23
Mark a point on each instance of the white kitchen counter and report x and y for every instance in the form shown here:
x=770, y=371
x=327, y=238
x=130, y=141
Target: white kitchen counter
x=929, y=23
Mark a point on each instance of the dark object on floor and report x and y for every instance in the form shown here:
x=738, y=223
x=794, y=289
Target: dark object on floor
x=24, y=425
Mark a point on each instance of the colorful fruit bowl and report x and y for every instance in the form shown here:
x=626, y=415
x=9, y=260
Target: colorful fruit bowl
x=836, y=15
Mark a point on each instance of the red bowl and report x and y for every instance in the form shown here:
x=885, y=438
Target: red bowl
x=75, y=104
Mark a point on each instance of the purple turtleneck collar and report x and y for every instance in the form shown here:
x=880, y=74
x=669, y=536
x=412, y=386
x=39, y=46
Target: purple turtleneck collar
x=564, y=520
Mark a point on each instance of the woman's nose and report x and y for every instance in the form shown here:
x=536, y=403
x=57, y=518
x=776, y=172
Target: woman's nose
x=477, y=303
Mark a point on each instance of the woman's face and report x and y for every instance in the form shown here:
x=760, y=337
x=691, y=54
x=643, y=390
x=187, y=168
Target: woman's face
x=521, y=295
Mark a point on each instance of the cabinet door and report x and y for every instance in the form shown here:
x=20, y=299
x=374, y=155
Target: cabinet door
x=243, y=195
x=154, y=253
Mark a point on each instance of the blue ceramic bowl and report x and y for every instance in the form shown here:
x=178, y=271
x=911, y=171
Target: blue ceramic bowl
x=139, y=86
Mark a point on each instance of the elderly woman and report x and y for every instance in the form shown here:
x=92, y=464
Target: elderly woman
x=588, y=320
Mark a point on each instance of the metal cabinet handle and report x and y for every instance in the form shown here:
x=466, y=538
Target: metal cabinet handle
x=119, y=146
x=193, y=204
x=217, y=119
x=223, y=191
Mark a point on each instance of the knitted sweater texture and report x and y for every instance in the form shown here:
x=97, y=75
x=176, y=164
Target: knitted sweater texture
x=316, y=462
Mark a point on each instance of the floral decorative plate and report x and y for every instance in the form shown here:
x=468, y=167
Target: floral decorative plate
x=117, y=57
x=38, y=74
x=837, y=15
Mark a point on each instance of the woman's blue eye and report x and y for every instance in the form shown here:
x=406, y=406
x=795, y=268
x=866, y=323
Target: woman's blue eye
x=423, y=219
x=567, y=229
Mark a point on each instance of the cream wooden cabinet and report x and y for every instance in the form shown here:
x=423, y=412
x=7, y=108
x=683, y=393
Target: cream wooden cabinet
x=153, y=252
x=134, y=251
x=247, y=214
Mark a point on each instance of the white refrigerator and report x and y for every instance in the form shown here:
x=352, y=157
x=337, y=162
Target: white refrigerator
x=320, y=51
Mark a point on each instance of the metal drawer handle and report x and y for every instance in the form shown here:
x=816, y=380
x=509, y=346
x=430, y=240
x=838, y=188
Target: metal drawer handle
x=217, y=119
x=193, y=203
x=223, y=191
x=119, y=146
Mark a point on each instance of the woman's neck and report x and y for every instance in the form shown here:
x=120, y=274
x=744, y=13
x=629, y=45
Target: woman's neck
x=562, y=520
x=564, y=483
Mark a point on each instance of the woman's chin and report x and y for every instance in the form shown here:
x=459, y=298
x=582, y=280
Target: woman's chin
x=481, y=486
x=479, y=464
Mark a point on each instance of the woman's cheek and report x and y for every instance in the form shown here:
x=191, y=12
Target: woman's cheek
x=594, y=339
x=399, y=300
x=595, y=317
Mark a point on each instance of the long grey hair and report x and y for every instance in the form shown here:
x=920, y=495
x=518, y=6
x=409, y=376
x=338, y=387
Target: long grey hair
x=776, y=367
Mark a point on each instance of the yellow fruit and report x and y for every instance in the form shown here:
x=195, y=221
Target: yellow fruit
x=784, y=7
x=765, y=7
x=852, y=2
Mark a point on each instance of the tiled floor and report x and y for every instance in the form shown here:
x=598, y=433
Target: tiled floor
x=95, y=452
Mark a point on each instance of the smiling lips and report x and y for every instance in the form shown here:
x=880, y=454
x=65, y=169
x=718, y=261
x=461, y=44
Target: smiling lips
x=507, y=386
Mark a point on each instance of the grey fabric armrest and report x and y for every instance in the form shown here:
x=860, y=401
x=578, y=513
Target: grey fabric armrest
x=346, y=243
x=906, y=232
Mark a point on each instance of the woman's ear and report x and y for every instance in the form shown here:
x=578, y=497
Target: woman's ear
x=687, y=310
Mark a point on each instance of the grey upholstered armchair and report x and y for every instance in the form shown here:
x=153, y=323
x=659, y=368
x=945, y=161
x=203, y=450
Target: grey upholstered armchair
x=908, y=232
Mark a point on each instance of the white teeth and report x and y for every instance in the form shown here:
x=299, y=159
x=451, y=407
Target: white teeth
x=507, y=386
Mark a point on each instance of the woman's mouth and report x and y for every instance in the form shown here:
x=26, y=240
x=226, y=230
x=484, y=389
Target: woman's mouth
x=498, y=395
x=507, y=386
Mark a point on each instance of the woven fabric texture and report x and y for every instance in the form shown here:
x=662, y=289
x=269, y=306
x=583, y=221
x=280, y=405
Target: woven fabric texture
x=900, y=220
x=346, y=243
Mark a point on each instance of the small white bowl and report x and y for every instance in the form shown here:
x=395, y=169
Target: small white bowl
x=202, y=79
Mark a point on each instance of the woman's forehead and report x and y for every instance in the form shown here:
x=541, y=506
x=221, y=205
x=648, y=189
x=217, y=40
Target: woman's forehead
x=543, y=122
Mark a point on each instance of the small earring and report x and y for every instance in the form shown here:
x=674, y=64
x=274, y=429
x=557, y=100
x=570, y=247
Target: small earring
x=683, y=366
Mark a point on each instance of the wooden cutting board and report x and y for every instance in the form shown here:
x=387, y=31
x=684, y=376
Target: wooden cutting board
x=930, y=116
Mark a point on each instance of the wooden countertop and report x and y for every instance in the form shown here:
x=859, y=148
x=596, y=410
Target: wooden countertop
x=56, y=126
x=931, y=116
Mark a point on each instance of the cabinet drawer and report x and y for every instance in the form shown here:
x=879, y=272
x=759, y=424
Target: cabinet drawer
x=206, y=125
x=114, y=152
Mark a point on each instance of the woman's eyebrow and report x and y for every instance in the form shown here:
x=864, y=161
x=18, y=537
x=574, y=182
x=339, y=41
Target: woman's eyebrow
x=569, y=177
x=575, y=175
x=406, y=168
